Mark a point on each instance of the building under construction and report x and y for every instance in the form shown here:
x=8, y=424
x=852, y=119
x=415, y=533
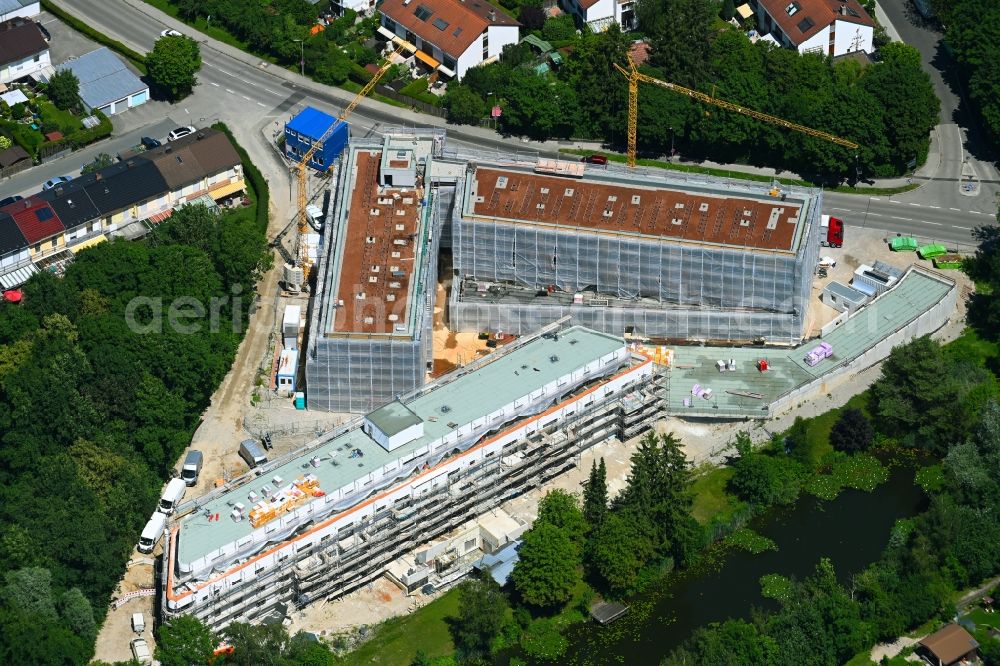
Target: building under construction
x=333, y=516
x=658, y=257
x=370, y=329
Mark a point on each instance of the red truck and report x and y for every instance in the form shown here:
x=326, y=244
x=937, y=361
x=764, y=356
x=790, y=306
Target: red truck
x=831, y=231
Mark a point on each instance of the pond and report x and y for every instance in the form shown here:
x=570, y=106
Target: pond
x=851, y=530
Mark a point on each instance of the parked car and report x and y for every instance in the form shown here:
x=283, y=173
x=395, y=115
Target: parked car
x=595, y=159
x=149, y=142
x=170, y=33
x=141, y=652
x=54, y=182
x=9, y=200
x=180, y=132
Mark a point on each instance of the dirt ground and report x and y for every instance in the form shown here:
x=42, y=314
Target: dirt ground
x=221, y=429
x=452, y=349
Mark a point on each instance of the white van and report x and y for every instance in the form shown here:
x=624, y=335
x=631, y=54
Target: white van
x=151, y=532
x=138, y=623
x=172, y=496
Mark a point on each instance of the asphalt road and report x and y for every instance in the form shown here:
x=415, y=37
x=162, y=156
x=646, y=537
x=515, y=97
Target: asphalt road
x=243, y=91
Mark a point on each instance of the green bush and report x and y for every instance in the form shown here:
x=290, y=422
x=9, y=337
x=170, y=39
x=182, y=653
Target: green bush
x=252, y=174
x=417, y=89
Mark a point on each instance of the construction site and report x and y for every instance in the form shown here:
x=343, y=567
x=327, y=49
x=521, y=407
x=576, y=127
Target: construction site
x=652, y=259
x=370, y=334
x=333, y=516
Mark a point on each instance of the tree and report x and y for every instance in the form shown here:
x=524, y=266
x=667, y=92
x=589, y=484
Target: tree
x=766, y=480
x=77, y=614
x=595, y=495
x=101, y=161
x=5, y=142
x=909, y=107
x=728, y=10
x=560, y=509
x=464, y=105
x=548, y=568
x=918, y=398
x=732, y=643
x=531, y=17
x=184, y=640
x=620, y=549
x=680, y=35
x=256, y=644
x=172, y=65
x=559, y=28
x=852, y=431
x=64, y=89
x=538, y=106
x=482, y=609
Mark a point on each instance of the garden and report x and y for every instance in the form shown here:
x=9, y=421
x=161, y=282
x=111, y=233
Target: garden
x=42, y=128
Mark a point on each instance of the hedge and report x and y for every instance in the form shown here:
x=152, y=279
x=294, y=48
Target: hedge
x=253, y=174
x=135, y=58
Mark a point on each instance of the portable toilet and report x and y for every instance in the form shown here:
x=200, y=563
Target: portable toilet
x=300, y=400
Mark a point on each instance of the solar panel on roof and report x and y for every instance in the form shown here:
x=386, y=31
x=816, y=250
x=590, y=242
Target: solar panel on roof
x=43, y=214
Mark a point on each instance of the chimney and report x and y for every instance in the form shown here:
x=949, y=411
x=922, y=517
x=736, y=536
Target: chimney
x=493, y=15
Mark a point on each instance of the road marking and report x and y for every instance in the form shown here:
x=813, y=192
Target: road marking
x=875, y=214
x=270, y=91
x=905, y=219
x=958, y=209
x=975, y=212
x=936, y=224
x=261, y=104
x=246, y=98
x=846, y=210
x=915, y=204
x=875, y=198
x=225, y=72
x=933, y=206
x=230, y=91
x=214, y=84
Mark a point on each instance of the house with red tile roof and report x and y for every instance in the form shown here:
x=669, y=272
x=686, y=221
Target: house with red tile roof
x=449, y=36
x=38, y=223
x=828, y=27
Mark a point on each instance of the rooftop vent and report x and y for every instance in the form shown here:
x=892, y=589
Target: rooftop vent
x=553, y=359
x=444, y=409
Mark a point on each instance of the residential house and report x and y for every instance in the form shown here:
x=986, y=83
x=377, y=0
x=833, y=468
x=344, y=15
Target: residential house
x=947, y=646
x=13, y=246
x=144, y=188
x=12, y=160
x=38, y=223
x=829, y=27
x=23, y=50
x=449, y=36
x=10, y=9
x=306, y=129
x=600, y=14
x=106, y=83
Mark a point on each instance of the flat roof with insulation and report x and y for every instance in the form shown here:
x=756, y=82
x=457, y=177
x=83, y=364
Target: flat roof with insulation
x=738, y=221
x=378, y=248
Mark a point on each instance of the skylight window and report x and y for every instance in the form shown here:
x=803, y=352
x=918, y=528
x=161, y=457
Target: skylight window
x=458, y=31
x=440, y=24
x=422, y=13
x=805, y=24
x=792, y=8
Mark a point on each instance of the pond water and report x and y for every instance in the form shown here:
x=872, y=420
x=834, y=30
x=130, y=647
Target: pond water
x=851, y=530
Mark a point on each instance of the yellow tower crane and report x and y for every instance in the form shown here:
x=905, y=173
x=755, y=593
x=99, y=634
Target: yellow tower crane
x=634, y=76
x=303, y=164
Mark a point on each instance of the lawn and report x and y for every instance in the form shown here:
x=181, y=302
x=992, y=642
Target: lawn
x=710, y=497
x=397, y=641
x=982, y=618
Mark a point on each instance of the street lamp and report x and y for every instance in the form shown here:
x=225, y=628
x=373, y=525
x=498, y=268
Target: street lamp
x=302, y=55
x=671, y=144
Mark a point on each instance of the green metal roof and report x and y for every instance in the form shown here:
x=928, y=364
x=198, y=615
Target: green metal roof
x=538, y=43
x=445, y=405
x=911, y=297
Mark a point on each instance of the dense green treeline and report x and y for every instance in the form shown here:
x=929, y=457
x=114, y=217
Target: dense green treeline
x=972, y=32
x=888, y=107
x=103, y=374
